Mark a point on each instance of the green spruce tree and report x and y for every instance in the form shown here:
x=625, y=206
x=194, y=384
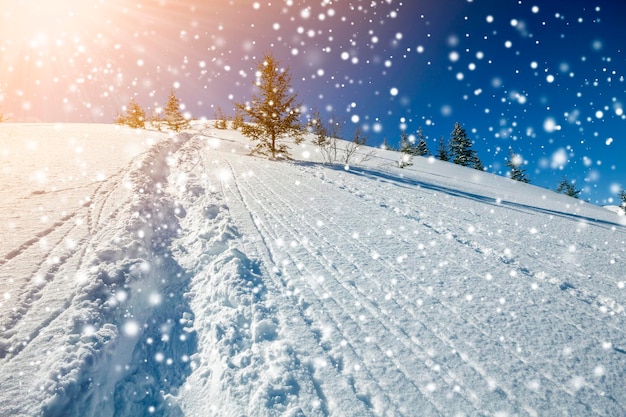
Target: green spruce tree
x=421, y=147
x=174, y=118
x=461, y=150
x=442, y=154
x=568, y=188
x=274, y=112
x=514, y=163
x=407, y=149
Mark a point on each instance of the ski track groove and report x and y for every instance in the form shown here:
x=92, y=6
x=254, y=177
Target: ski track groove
x=263, y=232
x=238, y=195
x=524, y=271
x=46, y=273
x=473, y=322
x=362, y=299
x=366, y=301
x=28, y=300
x=293, y=314
x=511, y=352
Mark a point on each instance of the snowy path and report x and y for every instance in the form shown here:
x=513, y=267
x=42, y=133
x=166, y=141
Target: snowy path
x=400, y=289
x=199, y=281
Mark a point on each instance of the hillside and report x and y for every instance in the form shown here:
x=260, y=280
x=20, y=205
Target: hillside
x=143, y=274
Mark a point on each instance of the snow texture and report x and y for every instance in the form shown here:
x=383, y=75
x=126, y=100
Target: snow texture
x=143, y=273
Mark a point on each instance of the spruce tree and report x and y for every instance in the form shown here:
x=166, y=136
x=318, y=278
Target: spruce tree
x=477, y=163
x=134, y=117
x=461, y=148
x=238, y=120
x=442, y=154
x=406, y=149
x=421, y=147
x=568, y=188
x=406, y=144
x=274, y=112
x=174, y=119
x=514, y=163
x=221, y=121
x=622, y=196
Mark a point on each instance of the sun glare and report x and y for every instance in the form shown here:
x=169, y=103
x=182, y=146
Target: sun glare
x=40, y=21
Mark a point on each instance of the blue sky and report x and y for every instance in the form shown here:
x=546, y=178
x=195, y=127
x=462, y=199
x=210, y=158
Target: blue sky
x=543, y=78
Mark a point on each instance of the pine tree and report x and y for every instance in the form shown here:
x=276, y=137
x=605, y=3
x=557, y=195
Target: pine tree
x=461, y=148
x=514, y=163
x=135, y=116
x=478, y=164
x=421, y=147
x=568, y=188
x=406, y=143
x=274, y=112
x=442, y=154
x=174, y=118
x=407, y=148
x=622, y=196
x=237, y=120
x=221, y=121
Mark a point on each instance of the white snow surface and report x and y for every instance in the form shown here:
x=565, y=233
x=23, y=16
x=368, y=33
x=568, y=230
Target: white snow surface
x=145, y=273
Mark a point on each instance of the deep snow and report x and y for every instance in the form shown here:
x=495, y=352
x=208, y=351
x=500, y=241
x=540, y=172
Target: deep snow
x=143, y=273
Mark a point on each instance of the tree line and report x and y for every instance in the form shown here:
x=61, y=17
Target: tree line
x=135, y=117
x=272, y=119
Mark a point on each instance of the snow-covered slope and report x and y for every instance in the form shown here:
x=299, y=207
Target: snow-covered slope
x=179, y=276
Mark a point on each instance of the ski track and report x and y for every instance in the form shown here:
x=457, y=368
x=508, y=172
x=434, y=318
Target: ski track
x=588, y=400
x=260, y=288
x=72, y=327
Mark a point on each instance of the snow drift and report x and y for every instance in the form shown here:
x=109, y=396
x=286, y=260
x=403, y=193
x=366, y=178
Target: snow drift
x=178, y=276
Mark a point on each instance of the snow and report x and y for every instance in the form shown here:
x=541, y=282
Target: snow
x=144, y=273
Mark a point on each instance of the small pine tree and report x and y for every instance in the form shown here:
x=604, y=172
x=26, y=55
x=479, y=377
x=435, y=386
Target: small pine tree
x=407, y=149
x=421, y=147
x=622, y=196
x=274, y=112
x=568, y=188
x=406, y=143
x=221, y=121
x=156, y=119
x=442, y=154
x=135, y=116
x=238, y=120
x=478, y=164
x=174, y=119
x=461, y=147
x=514, y=163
